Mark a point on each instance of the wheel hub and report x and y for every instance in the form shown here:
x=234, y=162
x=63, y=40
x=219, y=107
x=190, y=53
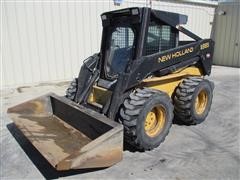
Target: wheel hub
x=155, y=121
x=201, y=102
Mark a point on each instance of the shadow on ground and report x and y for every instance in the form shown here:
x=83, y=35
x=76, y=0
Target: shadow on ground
x=130, y=148
x=181, y=123
x=39, y=161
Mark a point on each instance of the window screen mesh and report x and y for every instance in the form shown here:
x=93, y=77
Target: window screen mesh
x=160, y=38
x=122, y=37
x=120, y=51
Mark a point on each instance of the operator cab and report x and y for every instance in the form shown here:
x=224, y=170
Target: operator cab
x=125, y=37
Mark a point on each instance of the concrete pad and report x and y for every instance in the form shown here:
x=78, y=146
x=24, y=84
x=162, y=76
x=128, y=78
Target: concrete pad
x=207, y=151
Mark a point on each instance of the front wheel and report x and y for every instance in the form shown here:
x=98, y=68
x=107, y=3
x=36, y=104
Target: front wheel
x=147, y=117
x=72, y=89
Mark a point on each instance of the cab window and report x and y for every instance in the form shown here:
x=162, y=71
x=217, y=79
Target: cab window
x=120, y=50
x=159, y=38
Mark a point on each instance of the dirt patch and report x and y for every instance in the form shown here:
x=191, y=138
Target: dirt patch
x=21, y=89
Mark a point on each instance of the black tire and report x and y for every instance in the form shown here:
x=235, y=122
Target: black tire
x=134, y=111
x=72, y=89
x=186, y=95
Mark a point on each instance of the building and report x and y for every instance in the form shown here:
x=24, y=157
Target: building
x=48, y=41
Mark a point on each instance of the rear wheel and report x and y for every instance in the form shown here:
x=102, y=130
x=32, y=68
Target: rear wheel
x=193, y=99
x=147, y=117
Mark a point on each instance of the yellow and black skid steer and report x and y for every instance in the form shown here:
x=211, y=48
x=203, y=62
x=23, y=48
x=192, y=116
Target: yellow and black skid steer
x=143, y=77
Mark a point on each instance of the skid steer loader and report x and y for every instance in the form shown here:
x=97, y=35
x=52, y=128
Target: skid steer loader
x=130, y=91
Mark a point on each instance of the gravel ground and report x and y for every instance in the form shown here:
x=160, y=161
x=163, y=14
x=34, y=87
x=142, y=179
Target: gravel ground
x=207, y=151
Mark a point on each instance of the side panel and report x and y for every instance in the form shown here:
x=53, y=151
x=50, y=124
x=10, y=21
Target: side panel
x=169, y=82
x=145, y=66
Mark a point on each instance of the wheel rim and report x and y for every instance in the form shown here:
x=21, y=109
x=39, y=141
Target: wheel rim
x=201, y=101
x=155, y=121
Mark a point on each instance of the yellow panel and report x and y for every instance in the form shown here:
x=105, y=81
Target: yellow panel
x=99, y=95
x=169, y=82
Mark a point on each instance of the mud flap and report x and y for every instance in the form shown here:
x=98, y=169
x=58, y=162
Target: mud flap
x=68, y=135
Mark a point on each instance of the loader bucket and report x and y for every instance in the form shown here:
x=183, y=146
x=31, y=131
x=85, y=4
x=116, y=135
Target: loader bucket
x=68, y=135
